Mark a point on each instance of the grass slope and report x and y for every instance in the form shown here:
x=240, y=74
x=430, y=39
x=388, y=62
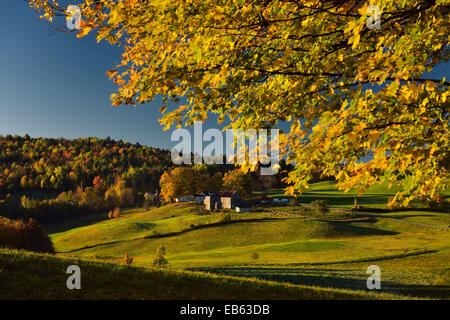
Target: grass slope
x=275, y=240
x=34, y=276
x=328, y=251
x=375, y=197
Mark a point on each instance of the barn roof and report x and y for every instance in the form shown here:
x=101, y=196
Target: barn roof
x=221, y=194
x=225, y=193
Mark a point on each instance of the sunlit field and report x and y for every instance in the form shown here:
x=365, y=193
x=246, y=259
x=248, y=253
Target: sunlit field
x=334, y=250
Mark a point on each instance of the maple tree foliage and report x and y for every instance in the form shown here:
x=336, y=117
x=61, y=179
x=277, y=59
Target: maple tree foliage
x=349, y=93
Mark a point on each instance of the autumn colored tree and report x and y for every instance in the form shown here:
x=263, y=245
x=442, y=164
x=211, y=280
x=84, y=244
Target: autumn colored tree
x=238, y=181
x=119, y=194
x=116, y=212
x=168, y=191
x=99, y=184
x=160, y=260
x=24, y=235
x=358, y=98
x=180, y=181
x=213, y=182
x=209, y=177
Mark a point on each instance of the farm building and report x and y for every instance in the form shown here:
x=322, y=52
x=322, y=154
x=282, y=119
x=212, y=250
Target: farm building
x=184, y=199
x=283, y=200
x=222, y=200
x=198, y=198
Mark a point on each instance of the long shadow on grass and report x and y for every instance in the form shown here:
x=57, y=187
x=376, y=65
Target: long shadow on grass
x=75, y=222
x=349, y=229
x=326, y=277
x=411, y=216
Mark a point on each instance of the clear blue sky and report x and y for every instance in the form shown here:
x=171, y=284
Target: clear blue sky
x=54, y=85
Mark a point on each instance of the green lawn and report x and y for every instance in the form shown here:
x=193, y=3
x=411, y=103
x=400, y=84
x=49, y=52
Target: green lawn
x=33, y=276
x=325, y=253
x=425, y=275
x=426, y=217
x=376, y=197
x=333, y=250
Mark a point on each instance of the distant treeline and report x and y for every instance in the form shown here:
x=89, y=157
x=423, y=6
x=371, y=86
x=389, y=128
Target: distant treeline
x=62, y=164
x=87, y=175
x=57, y=165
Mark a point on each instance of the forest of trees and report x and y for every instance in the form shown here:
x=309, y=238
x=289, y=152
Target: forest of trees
x=61, y=164
x=51, y=179
x=54, y=179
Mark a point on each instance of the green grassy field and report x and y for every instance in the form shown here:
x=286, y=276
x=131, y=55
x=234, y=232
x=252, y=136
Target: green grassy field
x=412, y=248
x=376, y=197
x=33, y=276
x=315, y=250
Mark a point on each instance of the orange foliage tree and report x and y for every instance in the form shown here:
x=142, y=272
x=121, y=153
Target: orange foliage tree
x=181, y=181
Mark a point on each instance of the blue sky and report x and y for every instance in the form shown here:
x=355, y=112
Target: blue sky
x=54, y=85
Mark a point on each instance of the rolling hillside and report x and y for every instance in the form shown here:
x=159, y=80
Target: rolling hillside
x=33, y=276
x=265, y=245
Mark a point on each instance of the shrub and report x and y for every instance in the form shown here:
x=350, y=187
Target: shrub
x=160, y=260
x=110, y=214
x=116, y=212
x=356, y=206
x=127, y=260
x=24, y=235
x=321, y=206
